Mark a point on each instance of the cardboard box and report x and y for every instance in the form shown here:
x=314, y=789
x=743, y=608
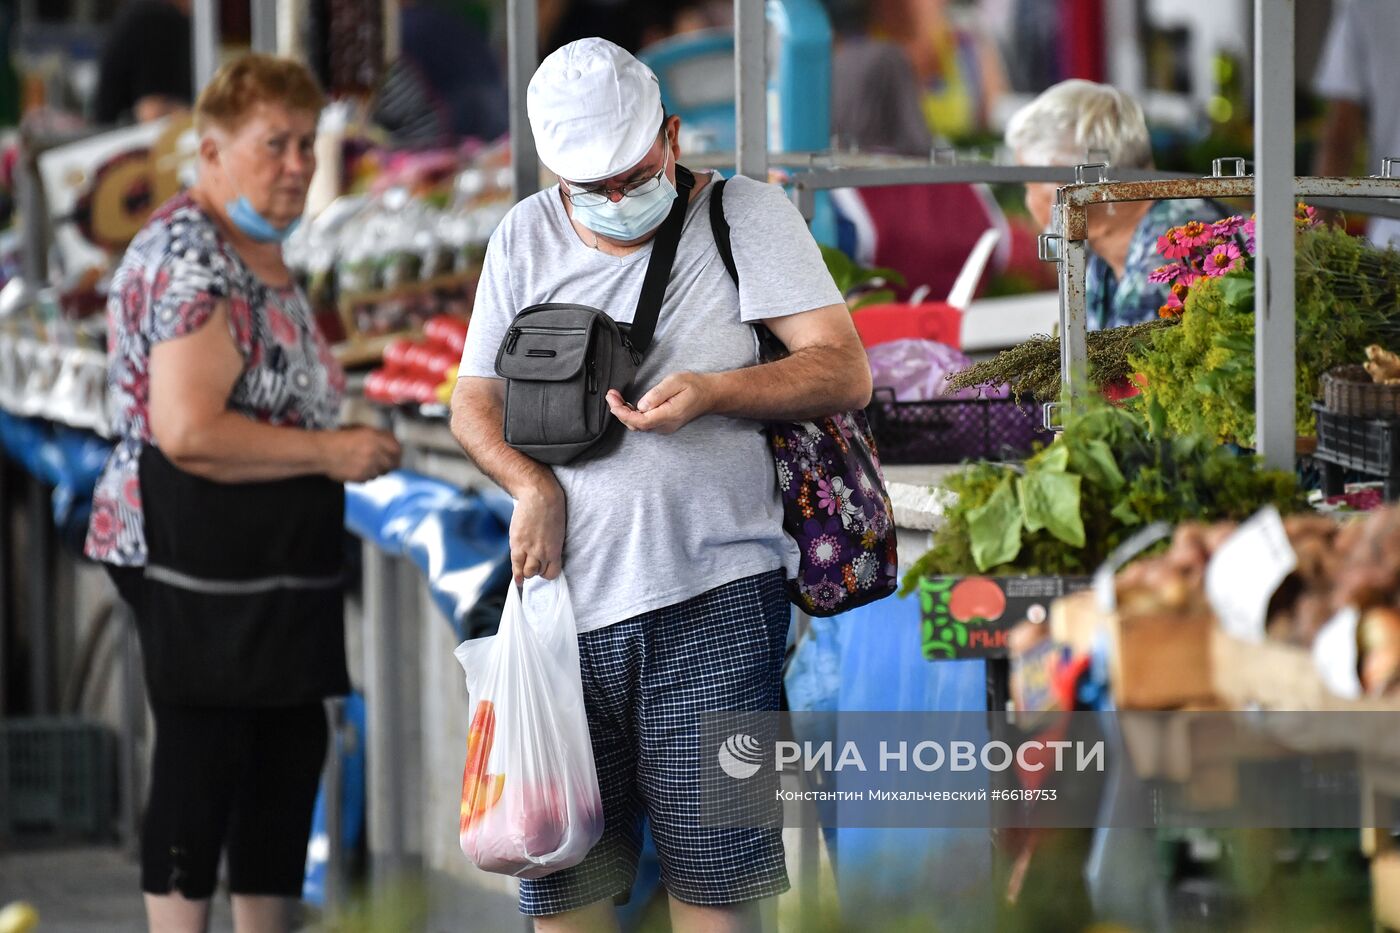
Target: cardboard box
x=1385, y=890
x=1161, y=660
x=1277, y=676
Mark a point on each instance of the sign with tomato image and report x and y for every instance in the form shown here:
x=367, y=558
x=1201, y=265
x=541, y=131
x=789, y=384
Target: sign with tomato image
x=969, y=617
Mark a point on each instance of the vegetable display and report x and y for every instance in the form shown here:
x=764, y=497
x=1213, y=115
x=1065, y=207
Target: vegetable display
x=1111, y=471
x=1197, y=361
x=1354, y=565
x=1033, y=368
x=1202, y=373
x=420, y=372
x=1175, y=580
x=1382, y=366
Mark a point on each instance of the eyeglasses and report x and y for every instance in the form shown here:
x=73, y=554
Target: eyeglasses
x=596, y=197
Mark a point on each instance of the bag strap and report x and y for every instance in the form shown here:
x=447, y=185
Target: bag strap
x=719, y=226
x=770, y=348
x=663, y=256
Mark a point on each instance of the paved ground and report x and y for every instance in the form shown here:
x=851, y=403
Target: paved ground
x=84, y=890
x=95, y=890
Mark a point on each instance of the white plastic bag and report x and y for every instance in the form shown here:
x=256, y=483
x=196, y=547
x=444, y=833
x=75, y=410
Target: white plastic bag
x=530, y=800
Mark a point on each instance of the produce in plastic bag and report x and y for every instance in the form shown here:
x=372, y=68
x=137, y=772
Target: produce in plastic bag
x=530, y=799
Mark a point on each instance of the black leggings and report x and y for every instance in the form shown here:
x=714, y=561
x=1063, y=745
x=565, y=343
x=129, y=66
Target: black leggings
x=229, y=779
x=238, y=779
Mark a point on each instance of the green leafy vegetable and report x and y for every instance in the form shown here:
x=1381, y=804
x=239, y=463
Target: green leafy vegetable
x=994, y=528
x=1111, y=471
x=1051, y=500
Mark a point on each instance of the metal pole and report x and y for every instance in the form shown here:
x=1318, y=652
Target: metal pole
x=393, y=40
x=41, y=629
x=34, y=214
x=6, y=583
x=335, y=796
x=522, y=41
x=133, y=715
x=264, y=16
x=1074, y=352
x=204, y=34
x=383, y=716
x=1125, y=59
x=751, y=88
x=291, y=15
x=1275, y=333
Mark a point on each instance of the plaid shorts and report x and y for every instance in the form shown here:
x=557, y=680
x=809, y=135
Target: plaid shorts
x=645, y=680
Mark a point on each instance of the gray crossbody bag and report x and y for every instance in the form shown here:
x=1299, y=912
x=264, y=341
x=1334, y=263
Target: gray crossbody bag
x=560, y=360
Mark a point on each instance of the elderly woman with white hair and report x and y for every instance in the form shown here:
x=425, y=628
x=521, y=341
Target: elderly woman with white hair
x=1076, y=122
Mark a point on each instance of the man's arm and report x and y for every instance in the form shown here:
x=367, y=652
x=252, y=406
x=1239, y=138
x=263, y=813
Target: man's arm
x=826, y=371
x=537, y=525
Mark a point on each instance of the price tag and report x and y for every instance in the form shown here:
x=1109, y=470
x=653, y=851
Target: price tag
x=1334, y=654
x=1246, y=571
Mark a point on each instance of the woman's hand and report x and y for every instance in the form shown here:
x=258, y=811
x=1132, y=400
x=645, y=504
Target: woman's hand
x=537, y=533
x=355, y=455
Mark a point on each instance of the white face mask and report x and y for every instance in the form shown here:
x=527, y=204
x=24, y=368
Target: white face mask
x=629, y=218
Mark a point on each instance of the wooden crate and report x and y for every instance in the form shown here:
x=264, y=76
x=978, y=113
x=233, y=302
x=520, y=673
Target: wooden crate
x=1385, y=889
x=1160, y=660
x=1278, y=676
x=1157, y=660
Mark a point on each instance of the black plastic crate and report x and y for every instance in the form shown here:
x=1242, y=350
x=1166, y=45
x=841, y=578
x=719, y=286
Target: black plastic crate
x=954, y=430
x=1370, y=446
x=56, y=779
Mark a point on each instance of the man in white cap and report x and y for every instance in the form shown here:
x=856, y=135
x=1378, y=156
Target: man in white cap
x=673, y=542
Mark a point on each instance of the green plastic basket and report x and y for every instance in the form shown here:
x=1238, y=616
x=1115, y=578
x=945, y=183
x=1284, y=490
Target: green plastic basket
x=56, y=779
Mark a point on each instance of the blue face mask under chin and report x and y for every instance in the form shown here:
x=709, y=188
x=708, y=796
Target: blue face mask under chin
x=630, y=218
x=254, y=225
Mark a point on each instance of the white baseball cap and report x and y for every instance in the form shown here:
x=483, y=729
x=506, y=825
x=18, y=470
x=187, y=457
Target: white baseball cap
x=595, y=110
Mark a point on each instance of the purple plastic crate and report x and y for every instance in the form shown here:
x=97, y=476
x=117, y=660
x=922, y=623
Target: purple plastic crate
x=954, y=430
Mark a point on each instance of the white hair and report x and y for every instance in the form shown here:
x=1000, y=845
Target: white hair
x=1073, y=119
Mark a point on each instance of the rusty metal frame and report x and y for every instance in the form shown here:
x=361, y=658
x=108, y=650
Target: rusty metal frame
x=1069, y=245
x=806, y=183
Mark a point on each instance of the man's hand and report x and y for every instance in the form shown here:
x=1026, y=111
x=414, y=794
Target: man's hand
x=537, y=533
x=672, y=403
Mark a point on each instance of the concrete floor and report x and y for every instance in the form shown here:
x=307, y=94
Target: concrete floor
x=84, y=890
x=95, y=889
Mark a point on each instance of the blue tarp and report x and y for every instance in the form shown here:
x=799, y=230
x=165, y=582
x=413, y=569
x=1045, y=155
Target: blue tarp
x=460, y=540
x=65, y=458
x=870, y=659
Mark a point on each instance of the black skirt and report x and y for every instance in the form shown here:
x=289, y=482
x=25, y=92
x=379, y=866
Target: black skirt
x=240, y=603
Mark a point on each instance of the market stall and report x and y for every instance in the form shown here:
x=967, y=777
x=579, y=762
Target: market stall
x=1001, y=552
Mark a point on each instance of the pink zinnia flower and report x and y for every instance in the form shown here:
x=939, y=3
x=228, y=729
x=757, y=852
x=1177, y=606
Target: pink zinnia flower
x=1193, y=233
x=1227, y=227
x=1247, y=228
x=1167, y=273
x=1222, y=259
x=1305, y=215
x=1171, y=247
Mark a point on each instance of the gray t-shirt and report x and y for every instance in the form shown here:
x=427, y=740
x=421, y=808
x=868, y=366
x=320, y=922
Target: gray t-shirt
x=663, y=518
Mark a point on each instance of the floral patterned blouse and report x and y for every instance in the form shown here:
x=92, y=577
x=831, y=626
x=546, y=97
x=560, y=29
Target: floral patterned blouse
x=1114, y=302
x=174, y=275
